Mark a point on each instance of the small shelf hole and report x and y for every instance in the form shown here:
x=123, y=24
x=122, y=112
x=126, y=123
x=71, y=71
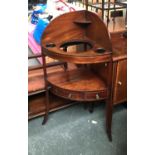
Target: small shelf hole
x=100, y=50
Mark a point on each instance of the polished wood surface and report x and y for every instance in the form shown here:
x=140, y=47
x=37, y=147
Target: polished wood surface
x=81, y=84
x=120, y=86
x=75, y=30
x=34, y=80
x=119, y=42
x=36, y=77
x=89, y=30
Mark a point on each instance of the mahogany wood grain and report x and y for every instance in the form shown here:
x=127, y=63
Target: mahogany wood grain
x=101, y=70
x=37, y=104
x=79, y=84
x=36, y=78
x=120, y=89
x=119, y=43
x=119, y=68
x=72, y=79
x=89, y=28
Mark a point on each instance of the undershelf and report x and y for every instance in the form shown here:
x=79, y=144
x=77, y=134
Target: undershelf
x=37, y=104
x=79, y=85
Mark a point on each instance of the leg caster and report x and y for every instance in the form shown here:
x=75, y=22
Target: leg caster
x=45, y=120
x=109, y=135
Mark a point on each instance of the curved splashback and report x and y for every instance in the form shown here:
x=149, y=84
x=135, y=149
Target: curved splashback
x=76, y=26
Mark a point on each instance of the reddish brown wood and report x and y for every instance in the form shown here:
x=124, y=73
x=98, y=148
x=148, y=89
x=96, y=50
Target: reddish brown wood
x=80, y=84
x=36, y=78
x=87, y=28
x=37, y=104
x=120, y=87
x=101, y=70
x=94, y=33
x=119, y=68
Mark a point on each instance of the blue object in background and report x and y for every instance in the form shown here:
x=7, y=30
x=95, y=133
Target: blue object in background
x=42, y=23
x=34, y=17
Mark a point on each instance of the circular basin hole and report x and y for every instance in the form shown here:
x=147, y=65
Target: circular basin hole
x=77, y=46
x=100, y=50
x=50, y=45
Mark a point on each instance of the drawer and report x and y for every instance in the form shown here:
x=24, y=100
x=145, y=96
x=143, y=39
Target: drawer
x=80, y=96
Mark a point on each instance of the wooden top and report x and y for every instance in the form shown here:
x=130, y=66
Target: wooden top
x=72, y=28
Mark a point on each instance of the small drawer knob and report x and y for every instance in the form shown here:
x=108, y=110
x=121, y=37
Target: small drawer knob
x=119, y=83
x=97, y=96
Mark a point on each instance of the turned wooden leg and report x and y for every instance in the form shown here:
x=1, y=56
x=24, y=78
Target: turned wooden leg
x=47, y=108
x=91, y=107
x=109, y=107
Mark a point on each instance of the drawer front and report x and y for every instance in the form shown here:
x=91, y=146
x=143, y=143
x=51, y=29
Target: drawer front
x=68, y=94
x=80, y=96
x=96, y=95
x=120, y=88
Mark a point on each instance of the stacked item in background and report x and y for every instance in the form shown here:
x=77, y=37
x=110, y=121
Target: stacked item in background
x=40, y=17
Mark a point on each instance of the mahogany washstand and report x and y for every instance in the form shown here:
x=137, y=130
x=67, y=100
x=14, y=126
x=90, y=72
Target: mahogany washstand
x=83, y=83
